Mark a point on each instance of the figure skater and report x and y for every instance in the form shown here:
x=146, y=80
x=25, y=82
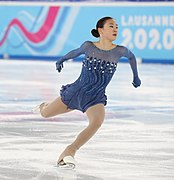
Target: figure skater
x=87, y=93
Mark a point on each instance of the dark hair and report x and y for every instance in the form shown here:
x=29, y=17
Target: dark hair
x=101, y=22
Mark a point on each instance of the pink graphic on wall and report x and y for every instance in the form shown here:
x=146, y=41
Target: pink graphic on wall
x=38, y=36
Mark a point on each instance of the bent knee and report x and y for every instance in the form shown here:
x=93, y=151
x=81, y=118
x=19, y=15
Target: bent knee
x=96, y=123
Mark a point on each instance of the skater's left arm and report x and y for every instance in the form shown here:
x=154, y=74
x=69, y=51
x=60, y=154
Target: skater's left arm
x=133, y=63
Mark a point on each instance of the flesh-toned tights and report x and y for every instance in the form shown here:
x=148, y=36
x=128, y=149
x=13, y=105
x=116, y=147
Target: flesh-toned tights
x=95, y=116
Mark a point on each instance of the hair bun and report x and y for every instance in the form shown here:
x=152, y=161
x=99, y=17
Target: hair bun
x=95, y=33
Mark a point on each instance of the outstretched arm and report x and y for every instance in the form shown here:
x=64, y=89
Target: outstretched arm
x=72, y=54
x=132, y=61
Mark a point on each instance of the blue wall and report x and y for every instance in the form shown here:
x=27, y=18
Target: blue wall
x=46, y=32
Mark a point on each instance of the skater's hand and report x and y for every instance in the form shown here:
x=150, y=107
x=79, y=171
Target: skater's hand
x=136, y=82
x=59, y=65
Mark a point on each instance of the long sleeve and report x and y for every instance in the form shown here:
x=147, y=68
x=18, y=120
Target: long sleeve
x=74, y=53
x=132, y=61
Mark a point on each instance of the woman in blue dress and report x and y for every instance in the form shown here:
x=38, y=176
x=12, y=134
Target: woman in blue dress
x=87, y=93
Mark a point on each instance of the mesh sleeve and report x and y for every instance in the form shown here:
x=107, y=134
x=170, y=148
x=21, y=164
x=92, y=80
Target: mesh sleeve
x=74, y=53
x=132, y=61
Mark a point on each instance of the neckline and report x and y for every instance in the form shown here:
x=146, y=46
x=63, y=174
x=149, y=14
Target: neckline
x=103, y=49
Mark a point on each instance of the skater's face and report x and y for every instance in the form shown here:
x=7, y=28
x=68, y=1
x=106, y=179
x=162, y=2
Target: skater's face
x=109, y=30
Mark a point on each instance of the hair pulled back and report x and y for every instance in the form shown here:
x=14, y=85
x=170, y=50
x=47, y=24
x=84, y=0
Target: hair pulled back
x=101, y=22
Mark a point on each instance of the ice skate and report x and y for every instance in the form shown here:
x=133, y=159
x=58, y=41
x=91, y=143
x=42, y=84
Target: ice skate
x=68, y=162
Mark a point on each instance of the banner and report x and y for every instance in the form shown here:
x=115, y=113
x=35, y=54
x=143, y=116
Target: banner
x=52, y=31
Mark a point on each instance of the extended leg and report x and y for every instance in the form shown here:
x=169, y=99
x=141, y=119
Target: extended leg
x=95, y=115
x=53, y=108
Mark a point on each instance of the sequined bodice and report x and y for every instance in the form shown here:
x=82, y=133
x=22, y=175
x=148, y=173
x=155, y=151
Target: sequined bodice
x=94, y=64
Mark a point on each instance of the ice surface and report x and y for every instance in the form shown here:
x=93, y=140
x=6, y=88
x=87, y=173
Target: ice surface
x=135, y=142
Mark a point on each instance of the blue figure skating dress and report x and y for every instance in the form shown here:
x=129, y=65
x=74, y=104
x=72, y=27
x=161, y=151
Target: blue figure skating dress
x=98, y=68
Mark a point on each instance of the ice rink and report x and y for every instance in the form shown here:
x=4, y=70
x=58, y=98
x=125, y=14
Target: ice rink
x=136, y=141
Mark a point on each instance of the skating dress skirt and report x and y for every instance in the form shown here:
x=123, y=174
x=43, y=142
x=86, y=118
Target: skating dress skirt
x=89, y=88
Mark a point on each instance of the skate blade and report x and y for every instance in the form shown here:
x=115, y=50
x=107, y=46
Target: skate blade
x=67, y=166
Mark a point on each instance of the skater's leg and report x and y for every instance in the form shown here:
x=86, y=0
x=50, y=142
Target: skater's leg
x=96, y=116
x=53, y=108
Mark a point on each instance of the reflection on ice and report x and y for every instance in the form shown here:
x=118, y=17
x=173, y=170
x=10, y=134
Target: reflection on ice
x=135, y=142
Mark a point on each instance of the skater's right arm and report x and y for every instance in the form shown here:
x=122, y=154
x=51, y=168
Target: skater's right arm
x=72, y=54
